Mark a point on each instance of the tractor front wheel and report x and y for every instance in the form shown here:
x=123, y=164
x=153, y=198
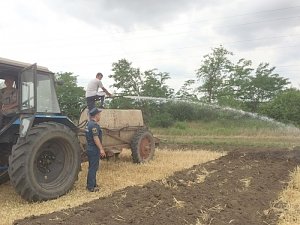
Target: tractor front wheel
x=46, y=164
x=142, y=146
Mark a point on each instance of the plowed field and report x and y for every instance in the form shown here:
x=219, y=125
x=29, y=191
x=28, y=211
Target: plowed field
x=239, y=188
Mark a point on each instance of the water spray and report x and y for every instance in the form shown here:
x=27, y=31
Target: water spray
x=213, y=106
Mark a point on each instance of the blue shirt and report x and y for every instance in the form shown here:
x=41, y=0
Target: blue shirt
x=93, y=129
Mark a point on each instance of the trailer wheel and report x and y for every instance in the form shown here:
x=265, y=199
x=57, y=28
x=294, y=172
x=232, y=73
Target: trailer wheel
x=142, y=146
x=46, y=164
x=4, y=154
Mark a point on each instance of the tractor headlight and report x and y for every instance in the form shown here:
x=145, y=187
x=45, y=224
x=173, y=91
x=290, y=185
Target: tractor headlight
x=25, y=125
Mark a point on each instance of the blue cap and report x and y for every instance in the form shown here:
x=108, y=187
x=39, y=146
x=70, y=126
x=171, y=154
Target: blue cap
x=95, y=111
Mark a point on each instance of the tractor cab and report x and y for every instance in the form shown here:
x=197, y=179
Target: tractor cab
x=35, y=91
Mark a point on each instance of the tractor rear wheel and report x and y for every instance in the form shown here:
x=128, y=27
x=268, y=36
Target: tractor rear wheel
x=46, y=164
x=4, y=154
x=142, y=146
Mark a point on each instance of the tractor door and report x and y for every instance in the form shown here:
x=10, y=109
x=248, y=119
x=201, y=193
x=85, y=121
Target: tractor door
x=27, y=96
x=27, y=86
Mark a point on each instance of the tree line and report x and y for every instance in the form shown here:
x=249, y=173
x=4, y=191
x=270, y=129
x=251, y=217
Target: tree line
x=218, y=81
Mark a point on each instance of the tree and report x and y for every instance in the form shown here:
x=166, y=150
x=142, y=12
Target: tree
x=213, y=73
x=128, y=80
x=236, y=84
x=187, y=92
x=263, y=86
x=154, y=84
x=70, y=97
x=131, y=81
x=238, y=79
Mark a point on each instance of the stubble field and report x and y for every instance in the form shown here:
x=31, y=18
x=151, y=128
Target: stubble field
x=251, y=180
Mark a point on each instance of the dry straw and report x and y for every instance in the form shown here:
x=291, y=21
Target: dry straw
x=290, y=201
x=112, y=176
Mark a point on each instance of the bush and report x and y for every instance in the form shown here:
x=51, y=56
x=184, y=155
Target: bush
x=162, y=120
x=285, y=107
x=206, y=113
x=182, y=111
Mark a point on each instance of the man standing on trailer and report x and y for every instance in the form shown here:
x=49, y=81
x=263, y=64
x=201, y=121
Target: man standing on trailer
x=92, y=93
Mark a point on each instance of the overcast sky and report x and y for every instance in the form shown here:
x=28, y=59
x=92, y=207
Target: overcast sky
x=87, y=36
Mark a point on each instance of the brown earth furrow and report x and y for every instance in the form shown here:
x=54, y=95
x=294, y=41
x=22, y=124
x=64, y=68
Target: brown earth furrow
x=236, y=189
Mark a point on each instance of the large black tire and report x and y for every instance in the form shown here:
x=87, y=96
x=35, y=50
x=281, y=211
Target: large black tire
x=142, y=146
x=5, y=150
x=45, y=165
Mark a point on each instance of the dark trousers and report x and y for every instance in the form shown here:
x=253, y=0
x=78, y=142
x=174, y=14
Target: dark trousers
x=1, y=119
x=4, y=119
x=91, y=101
x=94, y=159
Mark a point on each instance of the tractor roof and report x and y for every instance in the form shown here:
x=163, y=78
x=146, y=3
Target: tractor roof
x=10, y=67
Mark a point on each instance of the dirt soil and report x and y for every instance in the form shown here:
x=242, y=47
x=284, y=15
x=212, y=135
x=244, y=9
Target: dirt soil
x=239, y=188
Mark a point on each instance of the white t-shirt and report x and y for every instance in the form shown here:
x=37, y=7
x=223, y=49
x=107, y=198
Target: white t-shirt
x=92, y=87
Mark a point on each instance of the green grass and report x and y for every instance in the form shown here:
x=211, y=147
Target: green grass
x=227, y=134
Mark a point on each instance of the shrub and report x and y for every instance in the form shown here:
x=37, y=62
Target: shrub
x=182, y=111
x=285, y=107
x=162, y=120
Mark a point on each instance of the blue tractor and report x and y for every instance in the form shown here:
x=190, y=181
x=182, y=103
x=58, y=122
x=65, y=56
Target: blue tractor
x=39, y=147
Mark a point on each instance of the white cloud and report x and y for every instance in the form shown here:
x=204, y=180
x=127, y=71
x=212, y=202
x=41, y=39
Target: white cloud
x=127, y=14
x=85, y=37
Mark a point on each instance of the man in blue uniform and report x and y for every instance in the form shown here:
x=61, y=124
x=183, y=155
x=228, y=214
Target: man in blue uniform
x=94, y=148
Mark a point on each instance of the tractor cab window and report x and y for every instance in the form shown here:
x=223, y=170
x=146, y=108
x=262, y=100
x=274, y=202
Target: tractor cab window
x=27, y=98
x=2, y=85
x=46, y=95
